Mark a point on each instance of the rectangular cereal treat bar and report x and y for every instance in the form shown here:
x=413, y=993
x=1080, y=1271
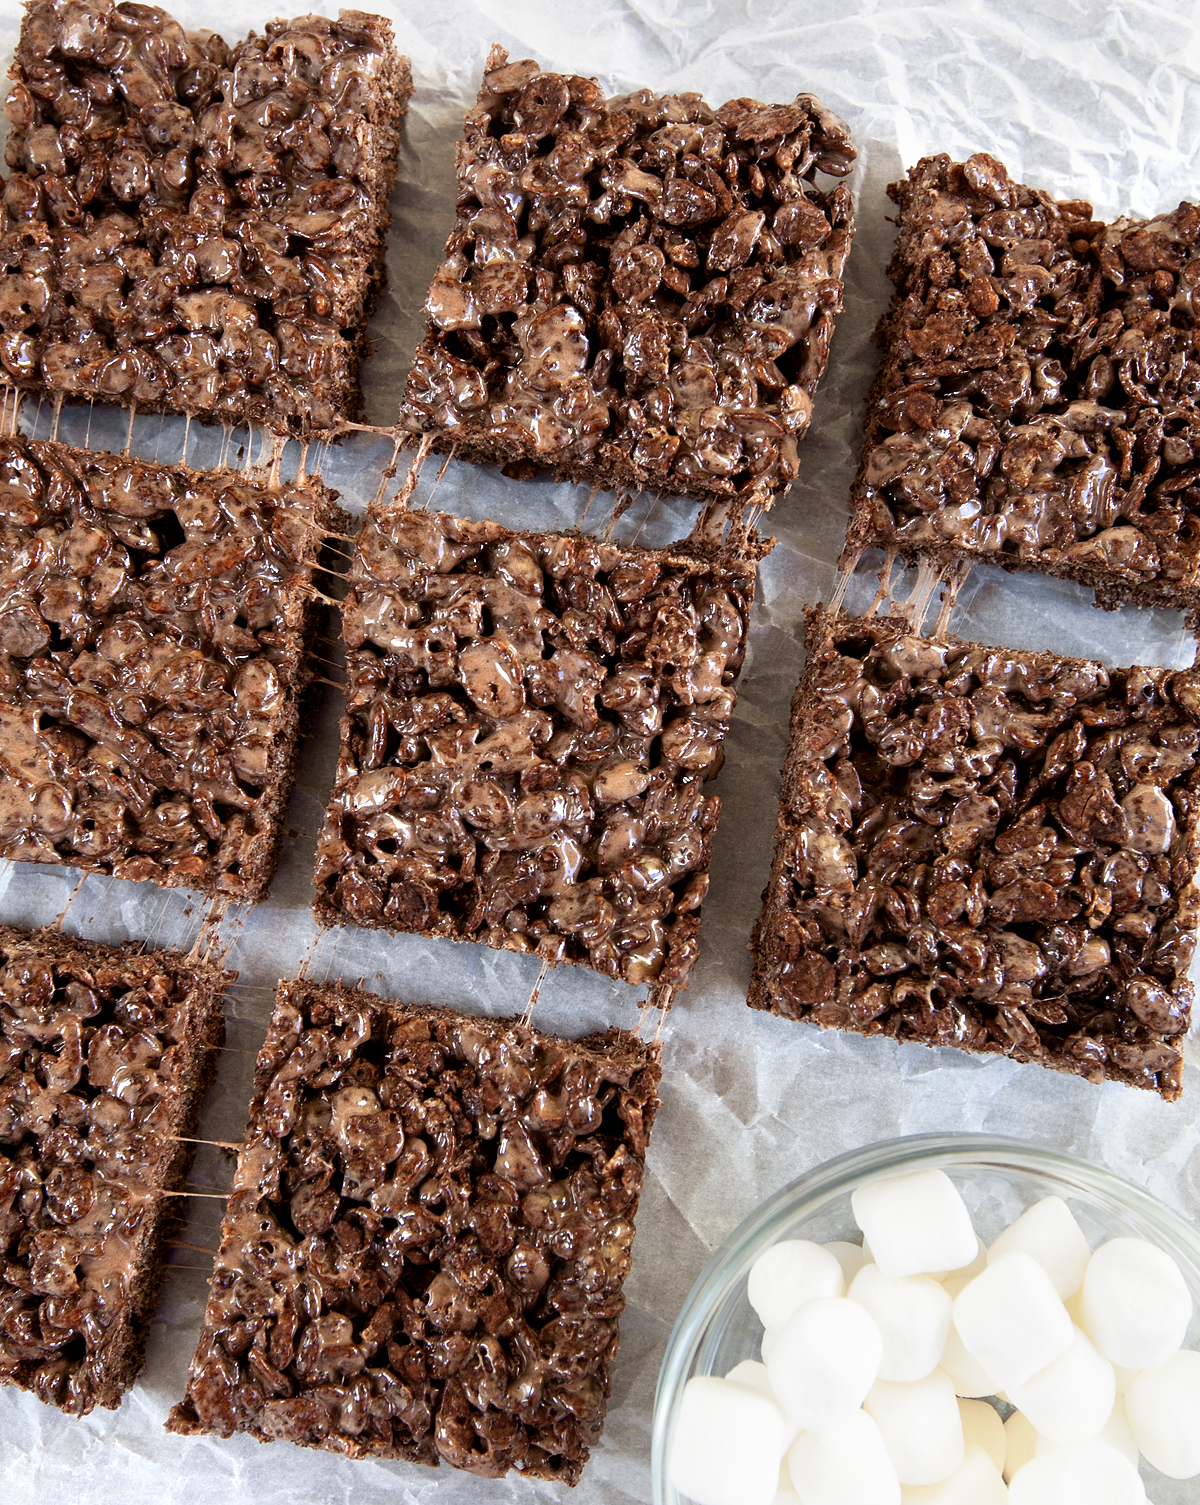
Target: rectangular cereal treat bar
x=531, y=719
x=427, y=1237
x=987, y=848
x=1036, y=403
x=191, y=228
x=105, y=1052
x=154, y=627
x=637, y=292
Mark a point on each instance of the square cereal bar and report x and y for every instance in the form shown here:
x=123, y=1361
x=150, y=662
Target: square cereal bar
x=637, y=292
x=531, y=719
x=987, y=848
x=195, y=229
x=427, y=1237
x=1036, y=403
x=105, y=1052
x=154, y=626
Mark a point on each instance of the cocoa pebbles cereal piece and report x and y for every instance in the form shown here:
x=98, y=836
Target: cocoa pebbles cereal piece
x=637, y=292
x=1036, y=405
x=154, y=624
x=989, y=849
x=531, y=720
x=190, y=228
x=427, y=1237
x=106, y=1051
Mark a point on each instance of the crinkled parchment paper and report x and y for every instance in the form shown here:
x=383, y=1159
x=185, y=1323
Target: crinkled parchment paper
x=1080, y=99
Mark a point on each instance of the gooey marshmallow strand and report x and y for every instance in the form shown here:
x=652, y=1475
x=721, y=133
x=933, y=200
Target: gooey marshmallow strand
x=875, y=1359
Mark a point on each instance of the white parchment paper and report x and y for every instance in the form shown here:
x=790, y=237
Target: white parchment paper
x=1078, y=98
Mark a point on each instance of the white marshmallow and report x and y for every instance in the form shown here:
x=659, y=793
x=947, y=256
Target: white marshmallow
x=969, y=1376
x=977, y=1482
x=954, y=1280
x=786, y=1494
x=1136, y=1306
x=750, y=1372
x=1079, y=1473
x=1048, y=1233
x=823, y=1362
x=983, y=1428
x=727, y=1444
x=912, y=1313
x=787, y=1275
x=1020, y=1444
x=921, y=1427
x=851, y=1257
x=847, y=1465
x=1011, y=1319
x=917, y=1224
x=1116, y=1432
x=1072, y=1398
x=1164, y=1414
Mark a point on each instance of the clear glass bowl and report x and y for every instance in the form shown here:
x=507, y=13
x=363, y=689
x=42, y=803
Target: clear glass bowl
x=998, y=1178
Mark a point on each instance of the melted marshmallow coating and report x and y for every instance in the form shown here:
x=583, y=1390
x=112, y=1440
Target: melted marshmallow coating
x=989, y=849
x=153, y=623
x=1037, y=402
x=531, y=721
x=195, y=229
x=637, y=291
x=429, y=1230
x=103, y=1055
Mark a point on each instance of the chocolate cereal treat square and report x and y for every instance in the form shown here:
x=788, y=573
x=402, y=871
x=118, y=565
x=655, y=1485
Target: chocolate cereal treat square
x=105, y=1052
x=637, y=292
x=989, y=849
x=427, y=1237
x=154, y=627
x=193, y=228
x=531, y=721
x=1036, y=404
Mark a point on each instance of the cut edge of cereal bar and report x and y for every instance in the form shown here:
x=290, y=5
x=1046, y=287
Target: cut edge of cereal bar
x=300, y=516
x=79, y=1384
x=1129, y=1027
x=550, y=702
x=958, y=410
x=775, y=246
x=503, y=1355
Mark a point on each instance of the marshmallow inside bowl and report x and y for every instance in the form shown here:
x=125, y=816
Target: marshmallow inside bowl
x=968, y=1302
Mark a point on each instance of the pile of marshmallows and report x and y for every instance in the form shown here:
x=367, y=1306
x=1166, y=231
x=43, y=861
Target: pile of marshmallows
x=874, y=1360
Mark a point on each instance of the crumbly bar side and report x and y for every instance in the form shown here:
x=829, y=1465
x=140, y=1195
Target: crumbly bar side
x=1035, y=407
x=427, y=1237
x=637, y=292
x=154, y=628
x=531, y=721
x=989, y=849
x=106, y=1053
x=191, y=228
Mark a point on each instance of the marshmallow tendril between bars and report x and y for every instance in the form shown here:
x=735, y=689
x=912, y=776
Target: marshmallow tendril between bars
x=876, y=1362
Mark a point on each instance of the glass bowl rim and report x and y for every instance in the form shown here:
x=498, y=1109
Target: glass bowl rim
x=729, y=1263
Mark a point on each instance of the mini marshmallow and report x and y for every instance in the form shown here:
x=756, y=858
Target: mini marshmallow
x=847, y=1465
x=1048, y=1233
x=851, y=1257
x=1164, y=1413
x=921, y=1427
x=912, y=1313
x=917, y=1224
x=727, y=1444
x=750, y=1372
x=977, y=1482
x=1079, y=1473
x=969, y=1376
x=982, y=1427
x=1136, y=1306
x=1011, y=1319
x=1116, y=1432
x=823, y=1362
x=954, y=1280
x=1020, y=1444
x=787, y=1275
x=1072, y=1398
